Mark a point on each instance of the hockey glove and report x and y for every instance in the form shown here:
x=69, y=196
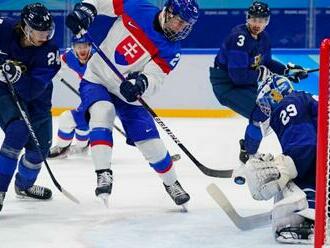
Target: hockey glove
x=295, y=72
x=12, y=71
x=244, y=156
x=132, y=91
x=81, y=17
x=264, y=73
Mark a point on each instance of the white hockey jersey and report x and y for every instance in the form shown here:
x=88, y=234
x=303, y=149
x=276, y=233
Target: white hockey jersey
x=132, y=44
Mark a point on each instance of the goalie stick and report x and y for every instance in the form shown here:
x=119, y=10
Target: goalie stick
x=174, y=157
x=241, y=222
x=207, y=171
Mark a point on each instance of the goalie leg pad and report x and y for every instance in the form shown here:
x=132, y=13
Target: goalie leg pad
x=285, y=210
x=267, y=178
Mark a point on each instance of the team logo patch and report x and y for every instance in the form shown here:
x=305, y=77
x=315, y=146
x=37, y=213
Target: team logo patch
x=128, y=51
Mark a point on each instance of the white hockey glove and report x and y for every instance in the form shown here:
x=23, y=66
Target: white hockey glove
x=288, y=225
x=264, y=73
x=266, y=178
x=12, y=71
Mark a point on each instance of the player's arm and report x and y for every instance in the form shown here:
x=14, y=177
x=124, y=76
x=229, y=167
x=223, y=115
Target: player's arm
x=150, y=80
x=84, y=13
x=35, y=80
x=238, y=61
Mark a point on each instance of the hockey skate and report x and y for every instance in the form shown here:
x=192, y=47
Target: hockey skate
x=58, y=152
x=104, y=185
x=304, y=234
x=34, y=192
x=2, y=198
x=178, y=195
x=74, y=149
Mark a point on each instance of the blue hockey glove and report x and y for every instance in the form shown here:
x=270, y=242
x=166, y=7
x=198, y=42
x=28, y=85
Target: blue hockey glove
x=131, y=91
x=12, y=71
x=81, y=17
x=295, y=73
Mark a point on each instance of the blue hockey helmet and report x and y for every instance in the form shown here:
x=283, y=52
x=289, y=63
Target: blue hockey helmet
x=271, y=92
x=187, y=11
x=36, y=16
x=81, y=39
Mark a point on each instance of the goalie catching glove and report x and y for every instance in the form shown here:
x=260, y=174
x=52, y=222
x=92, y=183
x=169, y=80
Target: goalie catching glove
x=267, y=178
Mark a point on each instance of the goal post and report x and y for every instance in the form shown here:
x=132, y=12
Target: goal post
x=322, y=160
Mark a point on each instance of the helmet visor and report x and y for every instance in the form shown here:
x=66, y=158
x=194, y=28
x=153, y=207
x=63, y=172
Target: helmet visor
x=41, y=35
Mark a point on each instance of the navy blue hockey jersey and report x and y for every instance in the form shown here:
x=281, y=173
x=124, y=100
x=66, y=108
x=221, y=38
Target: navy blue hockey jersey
x=240, y=55
x=295, y=123
x=42, y=63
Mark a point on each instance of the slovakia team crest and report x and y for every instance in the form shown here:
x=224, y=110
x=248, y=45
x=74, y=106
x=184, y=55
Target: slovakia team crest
x=128, y=51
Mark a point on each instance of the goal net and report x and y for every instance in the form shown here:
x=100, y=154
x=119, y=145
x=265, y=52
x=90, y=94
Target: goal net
x=322, y=161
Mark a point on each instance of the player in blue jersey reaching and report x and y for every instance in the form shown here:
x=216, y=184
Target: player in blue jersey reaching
x=73, y=123
x=243, y=60
x=144, y=45
x=290, y=176
x=29, y=60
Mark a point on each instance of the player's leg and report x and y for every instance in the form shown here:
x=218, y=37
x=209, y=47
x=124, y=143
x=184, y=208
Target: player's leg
x=240, y=99
x=16, y=136
x=30, y=163
x=65, y=134
x=81, y=132
x=97, y=100
x=140, y=128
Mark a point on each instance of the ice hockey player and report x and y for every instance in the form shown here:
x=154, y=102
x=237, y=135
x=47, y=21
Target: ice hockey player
x=144, y=45
x=244, y=59
x=72, y=123
x=29, y=60
x=290, y=176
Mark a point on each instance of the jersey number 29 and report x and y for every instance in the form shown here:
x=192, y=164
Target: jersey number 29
x=288, y=112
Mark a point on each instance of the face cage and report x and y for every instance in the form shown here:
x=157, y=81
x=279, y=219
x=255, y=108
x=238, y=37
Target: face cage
x=48, y=33
x=176, y=36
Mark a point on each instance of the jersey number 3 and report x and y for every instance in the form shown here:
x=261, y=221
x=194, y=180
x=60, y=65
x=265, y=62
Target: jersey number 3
x=288, y=112
x=241, y=40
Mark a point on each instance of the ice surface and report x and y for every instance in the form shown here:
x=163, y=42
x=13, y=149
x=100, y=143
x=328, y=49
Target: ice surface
x=141, y=214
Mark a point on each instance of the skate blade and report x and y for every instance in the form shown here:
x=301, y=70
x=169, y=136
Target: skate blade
x=105, y=199
x=31, y=199
x=184, y=208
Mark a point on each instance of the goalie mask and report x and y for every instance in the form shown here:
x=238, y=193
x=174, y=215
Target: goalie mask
x=271, y=92
x=37, y=23
x=179, y=17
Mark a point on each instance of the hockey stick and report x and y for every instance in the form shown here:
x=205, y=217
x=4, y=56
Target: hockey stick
x=207, y=171
x=312, y=70
x=174, y=157
x=243, y=223
x=36, y=141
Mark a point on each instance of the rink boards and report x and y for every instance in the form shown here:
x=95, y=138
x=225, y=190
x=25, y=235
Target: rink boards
x=187, y=91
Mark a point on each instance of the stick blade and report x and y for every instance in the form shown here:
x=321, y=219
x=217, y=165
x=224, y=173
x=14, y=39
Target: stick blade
x=243, y=223
x=69, y=196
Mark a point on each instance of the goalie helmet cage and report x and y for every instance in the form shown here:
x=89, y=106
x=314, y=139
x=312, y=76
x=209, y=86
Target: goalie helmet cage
x=322, y=160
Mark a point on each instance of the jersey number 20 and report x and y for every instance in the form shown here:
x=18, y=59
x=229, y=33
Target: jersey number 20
x=288, y=112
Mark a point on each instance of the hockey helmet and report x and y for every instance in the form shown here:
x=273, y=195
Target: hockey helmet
x=37, y=17
x=180, y=10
